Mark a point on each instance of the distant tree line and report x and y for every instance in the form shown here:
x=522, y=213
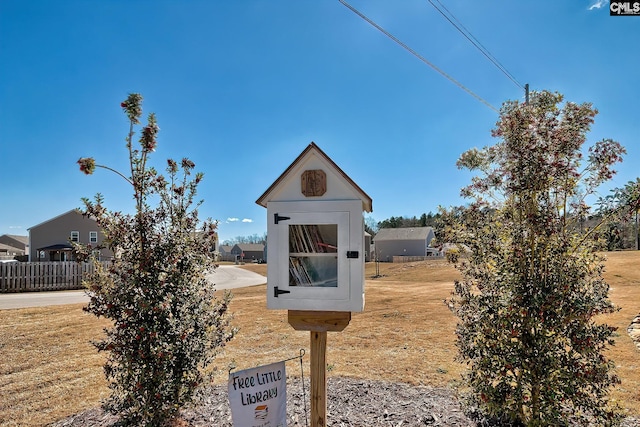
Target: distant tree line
x=254, y=238
x=621, y=232
x=425, y=220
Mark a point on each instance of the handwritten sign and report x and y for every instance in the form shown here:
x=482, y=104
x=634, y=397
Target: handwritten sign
x=258, y=396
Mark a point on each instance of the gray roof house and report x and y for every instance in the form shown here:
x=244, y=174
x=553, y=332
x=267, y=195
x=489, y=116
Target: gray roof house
x=8, y=252
x=249, y=252
x=399, y=242
x=19, y=242
x=51, y=239
x=12, y=245
x=225, y=252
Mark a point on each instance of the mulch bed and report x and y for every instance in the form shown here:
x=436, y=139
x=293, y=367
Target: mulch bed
x=351, y=402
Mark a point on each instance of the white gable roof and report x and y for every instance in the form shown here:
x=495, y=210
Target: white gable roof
x=339, y=186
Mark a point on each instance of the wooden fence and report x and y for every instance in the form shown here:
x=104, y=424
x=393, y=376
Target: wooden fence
x=42, y=276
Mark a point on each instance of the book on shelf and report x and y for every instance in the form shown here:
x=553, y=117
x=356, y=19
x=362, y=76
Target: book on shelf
x=308, y=239
x=301, y=273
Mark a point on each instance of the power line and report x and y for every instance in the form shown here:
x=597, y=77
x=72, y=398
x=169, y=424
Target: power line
x=461, y=28
x=416, y=54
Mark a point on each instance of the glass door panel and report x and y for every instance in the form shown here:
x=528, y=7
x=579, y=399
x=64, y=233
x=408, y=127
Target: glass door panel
x=313, y=255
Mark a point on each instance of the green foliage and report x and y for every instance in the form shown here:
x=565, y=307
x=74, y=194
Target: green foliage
x=625, y=201
x=167, y=323
x=532, y=281
x=425, y=220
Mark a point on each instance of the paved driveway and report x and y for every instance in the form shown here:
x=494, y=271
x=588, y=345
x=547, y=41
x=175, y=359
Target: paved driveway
x=231, y=277
x=225, y=277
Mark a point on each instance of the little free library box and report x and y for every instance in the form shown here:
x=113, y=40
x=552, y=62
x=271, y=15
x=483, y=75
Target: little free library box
x=315, y=236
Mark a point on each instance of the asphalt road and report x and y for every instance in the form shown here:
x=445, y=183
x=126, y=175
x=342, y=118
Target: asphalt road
x=224, y=277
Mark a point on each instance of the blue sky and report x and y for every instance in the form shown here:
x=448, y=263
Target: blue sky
x=241, y=88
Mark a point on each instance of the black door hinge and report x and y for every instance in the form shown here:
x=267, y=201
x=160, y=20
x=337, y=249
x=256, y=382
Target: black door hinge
x=277, y=292
x=277, y=218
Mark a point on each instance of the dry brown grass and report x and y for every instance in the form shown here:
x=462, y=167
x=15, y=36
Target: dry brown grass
x=48, y=370
x=623, y=274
